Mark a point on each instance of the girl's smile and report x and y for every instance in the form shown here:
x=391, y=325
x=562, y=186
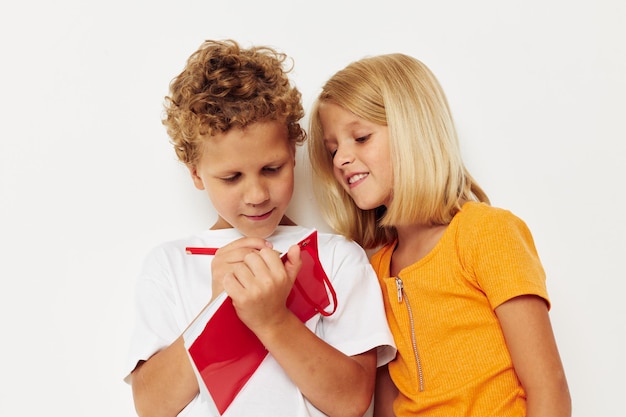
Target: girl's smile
x=361, y=156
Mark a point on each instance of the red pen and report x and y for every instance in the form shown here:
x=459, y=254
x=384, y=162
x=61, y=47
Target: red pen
x=200, y=251
x=207, y=251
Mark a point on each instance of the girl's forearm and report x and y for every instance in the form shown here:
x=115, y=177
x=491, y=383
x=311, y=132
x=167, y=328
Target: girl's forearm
x=552, y=399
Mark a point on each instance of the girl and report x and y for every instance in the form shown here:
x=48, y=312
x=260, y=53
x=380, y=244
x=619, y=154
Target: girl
x=463, y=286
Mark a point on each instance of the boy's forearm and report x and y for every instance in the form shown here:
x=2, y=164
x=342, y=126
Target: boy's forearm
x=165, y=383
x=337, y=384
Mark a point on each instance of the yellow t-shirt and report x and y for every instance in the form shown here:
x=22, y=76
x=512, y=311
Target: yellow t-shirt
x=452, y=358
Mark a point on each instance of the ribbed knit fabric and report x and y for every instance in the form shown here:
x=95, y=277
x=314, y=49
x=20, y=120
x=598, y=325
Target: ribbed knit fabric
x=485, y=257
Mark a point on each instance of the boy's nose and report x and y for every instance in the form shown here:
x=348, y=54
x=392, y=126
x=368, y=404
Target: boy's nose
x=256, y=193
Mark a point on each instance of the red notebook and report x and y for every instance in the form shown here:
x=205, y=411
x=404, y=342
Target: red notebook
x=226, y=353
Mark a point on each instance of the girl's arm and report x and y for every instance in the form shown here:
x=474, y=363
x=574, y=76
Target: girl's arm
x=337, y=384
x=528, y=333
x=385, y=393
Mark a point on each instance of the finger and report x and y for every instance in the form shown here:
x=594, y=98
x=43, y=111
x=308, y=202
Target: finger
x=245, y=244
x=271, y=257
x=243, y=274
x=232, y=285
x=258, y=263
x=293, y=262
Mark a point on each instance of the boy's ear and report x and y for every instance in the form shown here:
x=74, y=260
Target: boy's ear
x=197, y=181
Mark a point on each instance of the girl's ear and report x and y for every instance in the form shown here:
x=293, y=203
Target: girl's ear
x=197, y=180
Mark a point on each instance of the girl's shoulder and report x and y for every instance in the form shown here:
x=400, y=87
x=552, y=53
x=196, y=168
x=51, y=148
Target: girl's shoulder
x=481, y=215
x=477, y=224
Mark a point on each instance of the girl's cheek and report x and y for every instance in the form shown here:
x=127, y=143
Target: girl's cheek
x=338, y=176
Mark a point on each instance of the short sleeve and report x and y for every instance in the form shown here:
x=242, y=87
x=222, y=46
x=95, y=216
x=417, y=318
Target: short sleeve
x=155, y=326
x=359, y=323
x=500, y=255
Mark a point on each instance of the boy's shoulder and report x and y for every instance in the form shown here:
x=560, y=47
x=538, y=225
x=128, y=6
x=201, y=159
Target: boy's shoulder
x=336, y=240
x=342, y=252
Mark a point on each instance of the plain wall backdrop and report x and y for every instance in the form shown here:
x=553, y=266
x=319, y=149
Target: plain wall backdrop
x=89, y=182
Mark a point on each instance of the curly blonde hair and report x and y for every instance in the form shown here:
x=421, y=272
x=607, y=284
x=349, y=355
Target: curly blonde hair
x=225, y=86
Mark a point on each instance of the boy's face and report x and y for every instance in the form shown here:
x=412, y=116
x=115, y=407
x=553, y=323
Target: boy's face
x=249, y=177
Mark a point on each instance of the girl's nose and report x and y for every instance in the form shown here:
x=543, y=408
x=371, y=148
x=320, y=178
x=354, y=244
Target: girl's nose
x=343, y=156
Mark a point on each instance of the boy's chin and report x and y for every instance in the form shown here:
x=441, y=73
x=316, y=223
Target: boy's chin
x=262, y=232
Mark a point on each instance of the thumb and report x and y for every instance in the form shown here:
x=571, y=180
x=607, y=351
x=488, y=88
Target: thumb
x=293, y=262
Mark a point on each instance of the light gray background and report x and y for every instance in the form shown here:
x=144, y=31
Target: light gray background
x=89, y=182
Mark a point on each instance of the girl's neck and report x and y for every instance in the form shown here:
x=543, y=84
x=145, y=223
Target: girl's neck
x=414, y=242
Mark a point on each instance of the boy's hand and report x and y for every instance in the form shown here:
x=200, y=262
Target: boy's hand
x=260, y=285
x=229, y=256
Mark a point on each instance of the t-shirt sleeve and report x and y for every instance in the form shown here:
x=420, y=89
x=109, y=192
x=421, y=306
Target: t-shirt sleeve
x=155, y=326
x=502, y=257
x=359, y=323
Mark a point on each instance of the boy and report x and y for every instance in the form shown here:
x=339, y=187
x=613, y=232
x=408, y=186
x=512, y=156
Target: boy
x=233, y=118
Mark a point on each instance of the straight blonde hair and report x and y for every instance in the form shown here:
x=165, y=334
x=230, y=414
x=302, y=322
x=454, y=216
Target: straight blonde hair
x=431, y=181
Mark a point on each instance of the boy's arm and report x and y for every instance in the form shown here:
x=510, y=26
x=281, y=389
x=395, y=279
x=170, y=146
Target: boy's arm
x=530, y=339
x=165, y=383
x=335, y=383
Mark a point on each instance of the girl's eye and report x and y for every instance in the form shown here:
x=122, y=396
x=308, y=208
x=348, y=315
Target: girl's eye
x=333, y=153
x=363, y=139
x=272, y=170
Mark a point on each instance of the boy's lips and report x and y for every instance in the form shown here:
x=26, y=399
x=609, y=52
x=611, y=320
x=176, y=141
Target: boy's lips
x=262, y=216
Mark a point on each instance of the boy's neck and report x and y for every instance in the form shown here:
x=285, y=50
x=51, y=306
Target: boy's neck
x=286, y=221
x=223, y=224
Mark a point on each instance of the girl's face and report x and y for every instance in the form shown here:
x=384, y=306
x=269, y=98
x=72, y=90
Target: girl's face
x=249, y=177
x=361, y=156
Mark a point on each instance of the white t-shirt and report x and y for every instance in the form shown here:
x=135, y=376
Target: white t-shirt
x=173, y=288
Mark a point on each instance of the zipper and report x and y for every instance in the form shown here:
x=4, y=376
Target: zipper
x=403, y=297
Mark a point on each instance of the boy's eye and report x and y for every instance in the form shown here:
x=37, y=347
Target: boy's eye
x=231, y=178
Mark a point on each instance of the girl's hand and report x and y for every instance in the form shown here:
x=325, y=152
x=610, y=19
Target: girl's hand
x=259, y=287
x=229, y=256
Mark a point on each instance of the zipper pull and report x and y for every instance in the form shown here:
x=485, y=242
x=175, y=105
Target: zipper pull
x=400, y=288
